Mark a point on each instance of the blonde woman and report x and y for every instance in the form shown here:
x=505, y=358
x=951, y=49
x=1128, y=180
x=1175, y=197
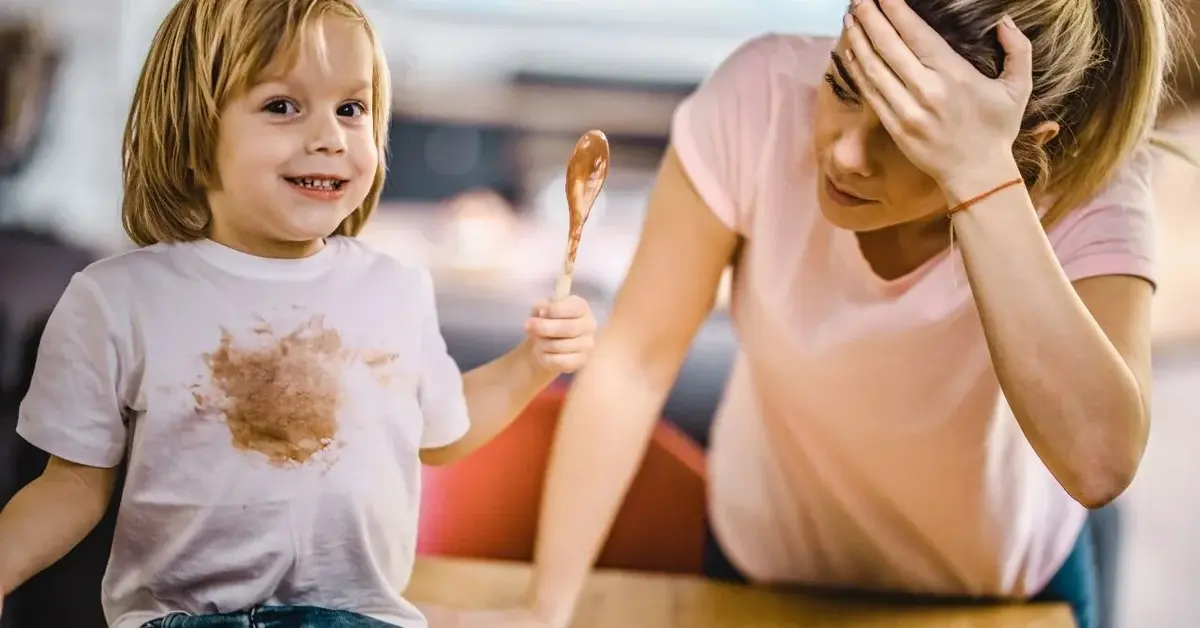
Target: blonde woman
x=940, y=224
x=271, y=384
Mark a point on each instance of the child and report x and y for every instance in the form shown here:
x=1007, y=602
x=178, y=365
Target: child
x=267, y=380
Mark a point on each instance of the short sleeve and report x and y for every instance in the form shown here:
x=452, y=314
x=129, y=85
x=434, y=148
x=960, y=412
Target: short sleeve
x=443, y=403
x=73, y=409
x=719, y=131
x=1115, y=233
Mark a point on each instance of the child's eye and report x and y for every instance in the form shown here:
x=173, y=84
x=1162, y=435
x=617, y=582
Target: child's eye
x=839, y=91
x=352, y=110
x=281, y=107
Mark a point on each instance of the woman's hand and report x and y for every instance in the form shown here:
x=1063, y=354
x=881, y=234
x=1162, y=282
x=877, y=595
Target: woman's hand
x=950, y=120
x=561, y=334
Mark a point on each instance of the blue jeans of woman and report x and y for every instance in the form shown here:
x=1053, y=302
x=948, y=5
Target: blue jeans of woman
x=271, y=617
x=1074, y=584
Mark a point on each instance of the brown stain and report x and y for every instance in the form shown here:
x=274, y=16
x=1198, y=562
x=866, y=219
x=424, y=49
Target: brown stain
x=378, y=359
x=380, y=363
x=281, y=397
x=587, y=171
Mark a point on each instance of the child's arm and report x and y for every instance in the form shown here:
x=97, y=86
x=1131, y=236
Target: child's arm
x=73, y=411
x=49, y=517
x=560, y=337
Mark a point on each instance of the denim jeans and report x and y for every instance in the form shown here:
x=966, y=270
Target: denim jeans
x=1074, y=584
x=271, y=617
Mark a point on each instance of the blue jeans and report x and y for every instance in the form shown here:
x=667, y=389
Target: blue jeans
x=1074, y=584
x=271, y=617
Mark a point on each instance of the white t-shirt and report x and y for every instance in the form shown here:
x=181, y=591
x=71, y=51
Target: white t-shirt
x=271, y=414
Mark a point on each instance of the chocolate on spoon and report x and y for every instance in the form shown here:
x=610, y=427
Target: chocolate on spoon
x=586, y=173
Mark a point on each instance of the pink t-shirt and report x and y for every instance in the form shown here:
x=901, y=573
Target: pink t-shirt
x=863, y=439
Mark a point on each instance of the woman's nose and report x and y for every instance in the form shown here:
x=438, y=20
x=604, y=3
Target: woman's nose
x=851, y=151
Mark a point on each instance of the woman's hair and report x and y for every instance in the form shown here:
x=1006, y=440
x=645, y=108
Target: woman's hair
x=1098, y=70
x=207, y=52
x=1185, y=81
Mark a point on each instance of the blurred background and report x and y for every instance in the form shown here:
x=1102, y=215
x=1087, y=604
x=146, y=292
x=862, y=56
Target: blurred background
x=490, y=97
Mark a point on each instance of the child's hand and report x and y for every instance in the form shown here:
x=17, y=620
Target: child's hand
x=561, y=334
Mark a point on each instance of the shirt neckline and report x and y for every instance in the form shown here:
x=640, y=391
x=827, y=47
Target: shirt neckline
x=252, y=266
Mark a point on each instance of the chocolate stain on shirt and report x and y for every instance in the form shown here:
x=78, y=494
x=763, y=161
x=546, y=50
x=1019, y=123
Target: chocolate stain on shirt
x=380, y=363
x=279, y=396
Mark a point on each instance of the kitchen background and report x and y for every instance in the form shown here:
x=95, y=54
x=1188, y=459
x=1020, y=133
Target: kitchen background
x=490, y=98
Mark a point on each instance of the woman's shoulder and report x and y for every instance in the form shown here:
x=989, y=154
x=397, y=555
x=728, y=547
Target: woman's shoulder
x=1132, y=182
x=1114, y=232
x=753, y=111
x=806, y=54
x=1131, y=188
x=784, y=61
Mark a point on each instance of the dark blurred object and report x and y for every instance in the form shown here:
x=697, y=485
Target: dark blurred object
x=1108, y=534
x=432, y=161
x=30, y=63
x=35, y=268
x=482, y=327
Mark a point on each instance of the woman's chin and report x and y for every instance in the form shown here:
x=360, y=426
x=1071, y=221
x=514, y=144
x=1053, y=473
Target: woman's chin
x=868, y=217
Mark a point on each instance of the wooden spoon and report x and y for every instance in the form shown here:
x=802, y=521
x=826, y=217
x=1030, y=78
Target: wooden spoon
x=586, y=172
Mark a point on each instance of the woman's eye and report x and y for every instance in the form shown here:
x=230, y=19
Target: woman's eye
x=281, y=107
x=838, y=90
x=352, y=110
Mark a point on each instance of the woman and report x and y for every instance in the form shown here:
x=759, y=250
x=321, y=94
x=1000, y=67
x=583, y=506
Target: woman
x=943, y=279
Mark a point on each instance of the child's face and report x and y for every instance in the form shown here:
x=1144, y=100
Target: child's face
x=296, y=154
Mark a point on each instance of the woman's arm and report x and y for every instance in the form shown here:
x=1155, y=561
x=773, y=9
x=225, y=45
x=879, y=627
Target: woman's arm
x=1073, y=360
x=614, y=404
x=1077, y=380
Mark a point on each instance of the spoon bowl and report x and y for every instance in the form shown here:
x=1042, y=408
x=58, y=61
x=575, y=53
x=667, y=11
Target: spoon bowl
x=586, y=173
x=587, y=170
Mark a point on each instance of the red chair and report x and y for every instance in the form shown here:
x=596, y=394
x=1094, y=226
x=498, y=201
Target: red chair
x=486, y=506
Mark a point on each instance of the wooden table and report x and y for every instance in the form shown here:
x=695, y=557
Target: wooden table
x=634, y=600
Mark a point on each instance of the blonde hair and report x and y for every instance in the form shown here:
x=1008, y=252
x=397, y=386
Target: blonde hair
x=207, y=52
x=1098, y=70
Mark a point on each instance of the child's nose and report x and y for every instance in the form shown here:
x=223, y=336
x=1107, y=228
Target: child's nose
x=326, y=135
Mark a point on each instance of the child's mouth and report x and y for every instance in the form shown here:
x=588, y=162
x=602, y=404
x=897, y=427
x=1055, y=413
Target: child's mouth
x=317, y=183
x=321, y=188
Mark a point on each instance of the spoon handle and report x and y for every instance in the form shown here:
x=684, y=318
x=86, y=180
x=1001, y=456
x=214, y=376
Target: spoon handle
x=562, y=288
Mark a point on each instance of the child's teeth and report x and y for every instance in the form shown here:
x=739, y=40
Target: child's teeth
x=322, y=184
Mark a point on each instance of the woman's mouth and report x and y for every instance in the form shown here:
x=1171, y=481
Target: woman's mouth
x=321, y=188
x=842, y=198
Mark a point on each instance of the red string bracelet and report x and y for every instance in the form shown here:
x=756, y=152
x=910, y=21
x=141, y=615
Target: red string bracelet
x=971, y=201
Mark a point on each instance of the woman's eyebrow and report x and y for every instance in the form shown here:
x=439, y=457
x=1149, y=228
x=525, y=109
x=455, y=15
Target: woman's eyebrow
x=842, y=72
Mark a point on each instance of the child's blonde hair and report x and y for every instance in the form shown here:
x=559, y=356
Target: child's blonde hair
x=207, y=52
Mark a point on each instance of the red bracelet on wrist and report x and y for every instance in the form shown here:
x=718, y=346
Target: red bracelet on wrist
x=971, y=201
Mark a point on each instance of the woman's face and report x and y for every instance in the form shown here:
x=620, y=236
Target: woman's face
x=866, y=182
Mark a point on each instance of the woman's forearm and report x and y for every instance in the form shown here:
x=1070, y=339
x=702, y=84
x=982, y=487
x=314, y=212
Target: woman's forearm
x=1076, y=399
x=496, y=393
x=596, y=455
